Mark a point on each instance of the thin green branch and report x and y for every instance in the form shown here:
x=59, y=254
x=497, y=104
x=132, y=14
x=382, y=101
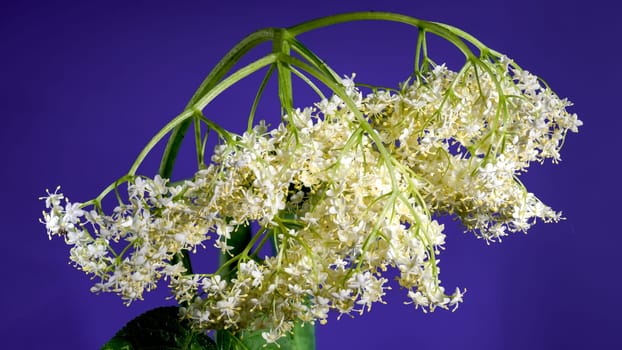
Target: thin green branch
x=315, y=60
x=232, y=79
x=286, y=96
x=216, y=74
x=446, y=32
x=262, y=86
x=177, y=121
x=198, y=143
x=308, y=81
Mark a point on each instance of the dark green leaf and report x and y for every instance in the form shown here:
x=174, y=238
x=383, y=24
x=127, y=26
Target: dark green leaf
x=159, y=328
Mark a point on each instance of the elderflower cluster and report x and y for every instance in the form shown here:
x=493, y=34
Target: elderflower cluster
x=344, y=194
x=470, y=134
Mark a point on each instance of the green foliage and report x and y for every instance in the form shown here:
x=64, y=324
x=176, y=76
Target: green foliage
x=302, y=338
x=159, y=328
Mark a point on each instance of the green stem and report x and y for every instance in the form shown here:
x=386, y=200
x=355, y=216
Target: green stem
x=262, y=86
x=308, y=82
x=182, y=119
x=198, y=143
x=232, y=79
x=420, y=40
x=310, y=56
x=186, y=115
x=281, y=46
x=444, y=31
x=217, y=73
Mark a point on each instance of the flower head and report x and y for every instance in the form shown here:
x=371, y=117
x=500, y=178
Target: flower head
x=344, y=195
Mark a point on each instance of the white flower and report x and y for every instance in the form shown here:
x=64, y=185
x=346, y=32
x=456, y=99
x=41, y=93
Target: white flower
x=456, y=298
x=53, y=199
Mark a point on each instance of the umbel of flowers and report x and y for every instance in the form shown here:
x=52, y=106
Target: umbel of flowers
x=343, y=190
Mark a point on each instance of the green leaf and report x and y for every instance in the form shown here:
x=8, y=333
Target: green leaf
x=159, y=328
x=302, y=338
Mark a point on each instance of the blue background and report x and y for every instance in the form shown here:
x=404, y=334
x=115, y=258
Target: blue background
x=84, y=85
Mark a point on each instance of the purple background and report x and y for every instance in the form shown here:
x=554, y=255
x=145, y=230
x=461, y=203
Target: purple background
x=84, y=86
